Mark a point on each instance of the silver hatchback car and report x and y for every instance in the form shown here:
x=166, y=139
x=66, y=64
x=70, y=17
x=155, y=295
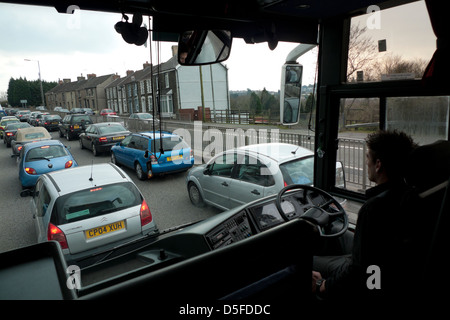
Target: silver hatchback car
x=247, y=173
x=89, y=210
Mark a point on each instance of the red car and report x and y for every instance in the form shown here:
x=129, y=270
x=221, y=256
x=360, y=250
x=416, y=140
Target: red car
x=106, y=112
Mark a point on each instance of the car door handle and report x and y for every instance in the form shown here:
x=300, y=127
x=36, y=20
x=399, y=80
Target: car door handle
x=225, y=184
x=255, y=192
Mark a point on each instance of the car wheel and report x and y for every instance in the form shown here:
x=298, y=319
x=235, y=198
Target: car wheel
x=81, y=144
x=140, y=172
x=94, y=150
x=195, y=195
x=113, y=159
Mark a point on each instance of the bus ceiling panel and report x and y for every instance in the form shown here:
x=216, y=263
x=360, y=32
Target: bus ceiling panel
x=223, y=9
x=289, y=30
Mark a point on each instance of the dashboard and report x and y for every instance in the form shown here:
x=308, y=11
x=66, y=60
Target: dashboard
x=259, y=217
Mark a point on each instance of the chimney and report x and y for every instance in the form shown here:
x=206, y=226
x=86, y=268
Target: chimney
x=116, y=76
x=79, y=78
x=129, y=72
x=66, y=80
x=91, y=75
x=146, y=65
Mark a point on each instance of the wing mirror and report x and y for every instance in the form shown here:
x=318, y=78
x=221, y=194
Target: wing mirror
x=291, y=93
x=207, y=170
x=199, y=47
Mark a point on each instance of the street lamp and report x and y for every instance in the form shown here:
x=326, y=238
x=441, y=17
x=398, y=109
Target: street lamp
x=40, y=80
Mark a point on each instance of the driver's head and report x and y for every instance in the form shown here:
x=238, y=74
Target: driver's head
x=387, y=155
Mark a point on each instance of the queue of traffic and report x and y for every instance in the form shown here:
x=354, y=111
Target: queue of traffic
x=103, y=205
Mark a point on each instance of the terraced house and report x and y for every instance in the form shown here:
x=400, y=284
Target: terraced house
x=178, y=88
x=83, y=93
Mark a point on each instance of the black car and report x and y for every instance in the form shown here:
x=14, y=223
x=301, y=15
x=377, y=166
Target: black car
x=73, y=125
x=100, y=137
x=10, y=131
x=49, y=121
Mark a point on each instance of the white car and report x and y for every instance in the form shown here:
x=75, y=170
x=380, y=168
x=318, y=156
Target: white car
x=89, y=210
x=247, y=173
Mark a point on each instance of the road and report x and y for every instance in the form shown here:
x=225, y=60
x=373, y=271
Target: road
x=166, y=196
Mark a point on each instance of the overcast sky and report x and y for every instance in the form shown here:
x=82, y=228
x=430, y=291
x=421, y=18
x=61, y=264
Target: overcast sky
x=68, y=46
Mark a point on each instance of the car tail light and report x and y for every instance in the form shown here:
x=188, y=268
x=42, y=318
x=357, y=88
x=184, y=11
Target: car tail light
x=68, y=164
x=9, y=134
x=146, y=215
x=55, y=233
x=30, y=170
x=102, y=139
x=192, y=153
x=19, y=148
x=153, y=159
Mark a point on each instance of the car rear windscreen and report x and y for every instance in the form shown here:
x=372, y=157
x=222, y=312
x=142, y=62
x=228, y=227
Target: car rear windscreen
x=46, y=152
x=169, y=144
x=95, y=201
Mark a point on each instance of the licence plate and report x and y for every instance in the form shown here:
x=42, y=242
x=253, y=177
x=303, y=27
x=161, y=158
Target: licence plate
x=175, y=158
x=54, y=122
x=119, y=138
x=76, y=126
x=95, y=232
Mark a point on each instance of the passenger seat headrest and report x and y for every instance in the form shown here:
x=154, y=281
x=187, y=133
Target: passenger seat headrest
x=429, y=165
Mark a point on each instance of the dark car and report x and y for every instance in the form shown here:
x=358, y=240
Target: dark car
x=73, y=125
x=11, y=129
x=23, y=115
x=100, y=137
x=34, y=121
x=77, y=110
x=49, y=121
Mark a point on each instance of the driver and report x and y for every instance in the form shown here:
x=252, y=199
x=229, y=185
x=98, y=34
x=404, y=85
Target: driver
x=371, y=271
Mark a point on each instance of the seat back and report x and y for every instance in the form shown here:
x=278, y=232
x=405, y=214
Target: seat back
x=426, y=216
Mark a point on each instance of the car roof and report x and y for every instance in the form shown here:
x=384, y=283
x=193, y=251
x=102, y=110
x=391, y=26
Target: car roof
x=157, y=134
x=85, y=177
x=104, y=124
x=279, y=152
x=20, y=125
x=22, y=132
x=7, y=118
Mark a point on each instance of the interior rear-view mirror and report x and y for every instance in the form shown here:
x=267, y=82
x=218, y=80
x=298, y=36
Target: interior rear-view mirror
x=198, y=47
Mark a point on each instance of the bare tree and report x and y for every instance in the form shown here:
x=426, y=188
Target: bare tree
x=361, y=53
x=395, y=63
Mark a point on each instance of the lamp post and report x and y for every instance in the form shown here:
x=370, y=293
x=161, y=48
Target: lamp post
x=40, y=80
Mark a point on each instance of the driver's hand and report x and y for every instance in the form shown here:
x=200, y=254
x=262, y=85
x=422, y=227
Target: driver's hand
x=315, y=276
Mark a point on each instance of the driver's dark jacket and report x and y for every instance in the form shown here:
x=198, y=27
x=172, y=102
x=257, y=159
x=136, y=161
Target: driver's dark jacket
x=376, y=242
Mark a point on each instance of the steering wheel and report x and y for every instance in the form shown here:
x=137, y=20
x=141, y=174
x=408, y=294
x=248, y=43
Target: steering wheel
x=322, y=215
